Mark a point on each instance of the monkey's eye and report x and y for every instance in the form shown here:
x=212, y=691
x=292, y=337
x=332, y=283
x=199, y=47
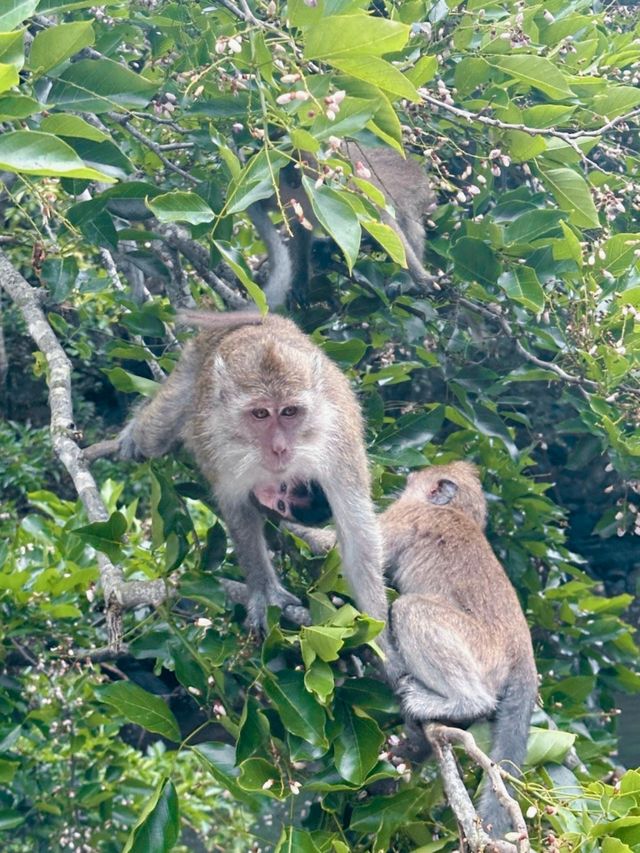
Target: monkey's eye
x=281, y=506
x=289, y=411
x=260, y=414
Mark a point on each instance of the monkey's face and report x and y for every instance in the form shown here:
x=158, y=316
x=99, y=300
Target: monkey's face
x=298, y=501
x=275, y=428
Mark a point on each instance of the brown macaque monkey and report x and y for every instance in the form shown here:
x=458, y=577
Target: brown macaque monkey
x=303, y=502
x=406, y=189
x=257, y=403
x=463, y=643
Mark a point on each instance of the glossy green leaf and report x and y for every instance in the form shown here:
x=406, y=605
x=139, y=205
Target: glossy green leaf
x=18, y=106
x=105, y=536
x=298, y=710
x=357, y=744
x=522, y=285
x=476, y=261
x=548, y=745
x=572, y=194
x=535, y=71
x=53, y=45
x=141, y=707
x=99, y=85
x=180, y=206
x=336, y=217
x=35, y=153
x=373, y=69
x=8, y=76
x=13, y=12
x=258, y=775
x=354, y=36
x=158, y=828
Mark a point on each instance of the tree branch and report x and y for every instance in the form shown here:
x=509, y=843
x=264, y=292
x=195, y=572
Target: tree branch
x=198, y=257
x=118, y=593
x=473, y=835
x=125, y=121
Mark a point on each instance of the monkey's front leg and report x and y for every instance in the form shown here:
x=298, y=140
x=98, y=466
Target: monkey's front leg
x=246, y=526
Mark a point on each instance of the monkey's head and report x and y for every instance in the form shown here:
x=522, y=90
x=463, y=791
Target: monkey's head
x=456, y=485
x=268, y=402
x=304, y=502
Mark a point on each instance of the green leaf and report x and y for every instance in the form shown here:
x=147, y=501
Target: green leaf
x=256, y=773
x=105, y=536
x=616, y=101
x=59, y=275
x=379, y=72
x=181, y=206
x=572, y=194
x=546, y=745
x=620, y=253
x=13, y=12
x=336, y=217
x=142, y=708
x=12, y=48
x=30, y=152
x=536, y=71
x=158, y=827
x=8, y=76
x=325, y=641
x=388, y=239
x=300, y=713
x=522, y=286
x=55, y=44
x=357, y=744
x=475, y=260
x=345, y=353
x=11, y=819
x=533, y=224
x=318, y=679
x=423, y=71
x=238, y=264
x=569, y=247
x=99, y=85
x=220, y=759
x=18, y=106
x=354, y=35
x=70, y=125
x=130, y=383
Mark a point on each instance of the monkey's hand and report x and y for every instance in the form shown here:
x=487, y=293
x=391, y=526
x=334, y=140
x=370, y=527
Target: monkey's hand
x=128, y=447
x=260, y=599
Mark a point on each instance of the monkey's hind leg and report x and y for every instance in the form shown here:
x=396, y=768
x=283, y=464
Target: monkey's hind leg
x=443, y=681
x=246, y=526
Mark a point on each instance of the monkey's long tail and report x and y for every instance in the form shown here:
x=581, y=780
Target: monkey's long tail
x=509, y=747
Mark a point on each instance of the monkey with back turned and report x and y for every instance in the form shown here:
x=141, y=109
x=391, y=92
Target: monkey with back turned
x=407, y=193
x=463, y=644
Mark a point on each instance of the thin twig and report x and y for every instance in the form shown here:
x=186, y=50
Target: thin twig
x=118, y=593
x=125, y=121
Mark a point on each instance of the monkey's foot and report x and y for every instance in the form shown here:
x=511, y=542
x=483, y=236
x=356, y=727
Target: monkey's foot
x=259, y=600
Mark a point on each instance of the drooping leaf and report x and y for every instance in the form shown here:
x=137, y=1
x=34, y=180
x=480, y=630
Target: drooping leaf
x=141, y=707
x=53, y=45
x=158, y=827
x=33, y=153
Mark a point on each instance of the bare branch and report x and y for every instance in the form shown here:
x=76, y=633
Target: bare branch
x=441, y=737
x=197, y=255
x=118, y=593
x=581, y=381
x=125, y=121
x=569, y=137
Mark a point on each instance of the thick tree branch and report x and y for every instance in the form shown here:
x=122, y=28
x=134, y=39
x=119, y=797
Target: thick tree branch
x=118, y=593
x=474, y=837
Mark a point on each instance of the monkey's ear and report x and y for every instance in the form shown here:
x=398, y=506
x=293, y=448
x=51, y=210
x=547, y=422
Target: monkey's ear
x=443, y=492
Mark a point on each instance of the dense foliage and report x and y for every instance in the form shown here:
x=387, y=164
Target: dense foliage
x=134, y=137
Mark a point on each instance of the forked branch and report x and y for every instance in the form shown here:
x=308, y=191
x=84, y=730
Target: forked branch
x=472, y=835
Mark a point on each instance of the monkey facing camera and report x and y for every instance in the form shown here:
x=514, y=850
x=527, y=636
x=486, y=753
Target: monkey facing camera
x=463, y=644
x=257, y=404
